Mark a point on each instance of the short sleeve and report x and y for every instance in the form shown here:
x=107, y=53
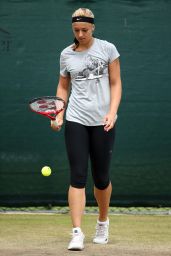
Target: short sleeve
x=63, y=66
x=113, y=53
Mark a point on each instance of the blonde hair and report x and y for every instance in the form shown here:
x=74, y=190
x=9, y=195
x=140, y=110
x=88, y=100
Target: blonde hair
x=83, y=12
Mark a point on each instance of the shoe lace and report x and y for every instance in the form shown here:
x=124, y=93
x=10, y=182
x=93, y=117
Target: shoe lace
x=75, y=237
x=101, y=230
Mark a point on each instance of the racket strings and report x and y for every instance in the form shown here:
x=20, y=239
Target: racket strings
x=47, y=106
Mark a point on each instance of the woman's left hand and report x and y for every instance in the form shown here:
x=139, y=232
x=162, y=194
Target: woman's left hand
x=109, y=121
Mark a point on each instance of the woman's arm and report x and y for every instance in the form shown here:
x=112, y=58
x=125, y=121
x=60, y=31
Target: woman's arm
x=63, y=89
x=115, y=94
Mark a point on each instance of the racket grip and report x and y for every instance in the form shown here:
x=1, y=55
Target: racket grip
x=54, y=123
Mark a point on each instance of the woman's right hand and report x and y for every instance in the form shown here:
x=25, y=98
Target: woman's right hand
x=57, y=124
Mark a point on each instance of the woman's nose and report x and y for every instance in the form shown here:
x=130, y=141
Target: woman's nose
x=80, y=34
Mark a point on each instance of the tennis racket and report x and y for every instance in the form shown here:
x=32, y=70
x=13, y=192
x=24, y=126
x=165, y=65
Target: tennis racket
x=49, y=106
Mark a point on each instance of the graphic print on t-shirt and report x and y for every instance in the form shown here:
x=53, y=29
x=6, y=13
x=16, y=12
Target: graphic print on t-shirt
x=94, y=68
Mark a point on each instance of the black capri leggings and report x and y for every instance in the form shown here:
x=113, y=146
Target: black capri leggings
x=83, y=142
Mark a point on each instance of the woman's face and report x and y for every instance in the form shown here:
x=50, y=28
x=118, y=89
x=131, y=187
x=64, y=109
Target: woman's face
x=83, y=31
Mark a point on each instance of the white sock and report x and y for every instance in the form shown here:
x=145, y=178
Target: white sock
x=76, y=230
x=103, y=222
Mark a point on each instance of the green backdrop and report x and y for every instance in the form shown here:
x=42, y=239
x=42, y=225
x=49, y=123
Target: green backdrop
x=32, y=35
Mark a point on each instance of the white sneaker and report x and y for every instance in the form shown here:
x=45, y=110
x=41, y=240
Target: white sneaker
x=102, y=232
x=77, y=241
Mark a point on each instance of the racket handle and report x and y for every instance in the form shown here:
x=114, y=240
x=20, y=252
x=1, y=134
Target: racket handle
x=54, y=123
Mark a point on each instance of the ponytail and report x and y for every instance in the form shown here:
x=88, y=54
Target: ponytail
x=76, y=44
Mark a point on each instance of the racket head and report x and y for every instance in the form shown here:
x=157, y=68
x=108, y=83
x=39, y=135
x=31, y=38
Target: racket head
x=49, y=106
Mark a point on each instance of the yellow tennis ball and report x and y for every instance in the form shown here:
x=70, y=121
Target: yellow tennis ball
x=46, y=171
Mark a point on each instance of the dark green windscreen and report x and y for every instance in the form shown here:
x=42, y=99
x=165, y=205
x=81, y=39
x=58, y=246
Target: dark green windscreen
x=32, y=35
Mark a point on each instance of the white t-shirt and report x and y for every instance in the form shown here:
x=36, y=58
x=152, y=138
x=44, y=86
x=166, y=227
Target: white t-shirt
x=89, y=100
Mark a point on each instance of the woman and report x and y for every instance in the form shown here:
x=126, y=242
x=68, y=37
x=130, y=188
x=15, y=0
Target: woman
x=91, y=66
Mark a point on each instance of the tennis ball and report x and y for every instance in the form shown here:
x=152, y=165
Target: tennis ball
x=46, y=171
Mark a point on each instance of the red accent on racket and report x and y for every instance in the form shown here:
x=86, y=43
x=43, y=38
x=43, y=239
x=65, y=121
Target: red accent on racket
x=49, y=106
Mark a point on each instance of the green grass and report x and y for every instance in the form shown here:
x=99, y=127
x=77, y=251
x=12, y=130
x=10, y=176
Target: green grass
x=49, y=234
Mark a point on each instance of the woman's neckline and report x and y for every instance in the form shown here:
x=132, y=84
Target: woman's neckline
x=83, y=51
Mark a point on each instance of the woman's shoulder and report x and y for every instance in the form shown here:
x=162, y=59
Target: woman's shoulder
x=108, y=49
x=67, y=50
x=104, y=43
